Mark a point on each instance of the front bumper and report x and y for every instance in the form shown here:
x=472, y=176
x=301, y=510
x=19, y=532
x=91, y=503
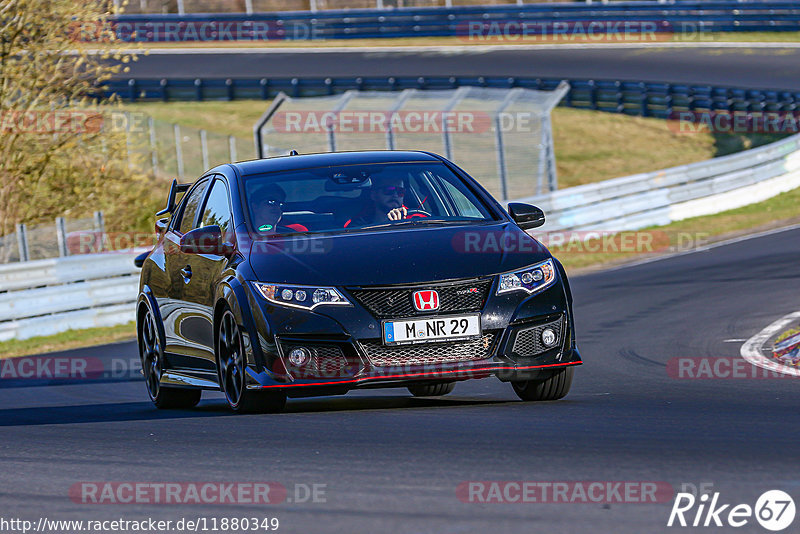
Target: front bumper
x=341, y=364
x=345, y=359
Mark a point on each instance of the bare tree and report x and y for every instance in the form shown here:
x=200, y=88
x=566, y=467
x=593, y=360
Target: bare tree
x=57, y=149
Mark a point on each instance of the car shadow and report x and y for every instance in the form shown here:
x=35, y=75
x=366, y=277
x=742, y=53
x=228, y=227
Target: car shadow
x=362, y=403
x=145, y=411
x=96, y=413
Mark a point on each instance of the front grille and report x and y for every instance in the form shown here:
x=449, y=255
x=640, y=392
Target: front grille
x=430, y=353
x=395, y=302
x=528, y=342
x=327, y=361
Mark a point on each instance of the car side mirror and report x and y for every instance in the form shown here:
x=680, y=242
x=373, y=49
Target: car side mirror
x=206, y=240
x=525, y=215
x=161, y=225
x=138, y=261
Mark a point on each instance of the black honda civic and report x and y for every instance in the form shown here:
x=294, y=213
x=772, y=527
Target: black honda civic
x=312, y=275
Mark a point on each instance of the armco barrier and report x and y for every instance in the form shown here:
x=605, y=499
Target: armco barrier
x=660, y=100
x=679, y=17
x=45, y=297
x=662, y=197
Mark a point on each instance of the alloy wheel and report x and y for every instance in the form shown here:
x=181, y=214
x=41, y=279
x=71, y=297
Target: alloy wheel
x=231, y=358
x=151, y=355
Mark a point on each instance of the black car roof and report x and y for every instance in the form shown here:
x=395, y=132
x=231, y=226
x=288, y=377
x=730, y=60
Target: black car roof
x=307, y=161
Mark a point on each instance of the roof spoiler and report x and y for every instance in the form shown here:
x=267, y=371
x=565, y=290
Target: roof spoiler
x=174, y=189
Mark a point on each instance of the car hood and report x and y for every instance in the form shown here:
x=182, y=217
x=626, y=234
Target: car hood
x=395, y=256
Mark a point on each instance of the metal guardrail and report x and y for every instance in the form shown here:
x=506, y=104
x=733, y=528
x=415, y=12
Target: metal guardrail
x=679, y=17
x=45, y=297
x=662, y=100
x=661, y=197
x=257, y=6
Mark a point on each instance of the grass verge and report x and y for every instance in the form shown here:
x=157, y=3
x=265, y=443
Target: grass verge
x=71, y=339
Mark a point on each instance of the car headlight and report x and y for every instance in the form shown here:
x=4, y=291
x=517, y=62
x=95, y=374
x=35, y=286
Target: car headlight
x=530, y=279
x=305, y=297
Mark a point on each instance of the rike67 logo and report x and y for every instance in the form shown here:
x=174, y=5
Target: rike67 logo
x=774, y=510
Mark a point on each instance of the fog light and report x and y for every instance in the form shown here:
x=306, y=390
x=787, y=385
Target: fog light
x=549, y=337
x=299, y=356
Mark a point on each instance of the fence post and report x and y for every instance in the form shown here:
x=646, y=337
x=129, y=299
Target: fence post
x=61, y=235
x=398, y=103
x=178, y=149
x=232, y=148
x=153, y=147
x=502, y=170
x=312, y=6
x=204, y=149
x=100, y=227
x=22, y=242
x=248, y=6
x=451, y=104
x=340, y=105
x=501, y=155
x=181, y=9
x=550, y=157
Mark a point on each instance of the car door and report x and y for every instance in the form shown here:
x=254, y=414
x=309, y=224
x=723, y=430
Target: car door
x=206, y=271
x=174, y=310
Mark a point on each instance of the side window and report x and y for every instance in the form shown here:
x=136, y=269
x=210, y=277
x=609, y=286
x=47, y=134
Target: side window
x=463, y=204
x=422, y=196
x=217, y=210
x=190, y=207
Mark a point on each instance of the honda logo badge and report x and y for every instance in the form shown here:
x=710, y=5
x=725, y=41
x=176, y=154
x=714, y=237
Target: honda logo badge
x=426, y=300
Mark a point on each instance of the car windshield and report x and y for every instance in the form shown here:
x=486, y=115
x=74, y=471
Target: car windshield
x=358, y=197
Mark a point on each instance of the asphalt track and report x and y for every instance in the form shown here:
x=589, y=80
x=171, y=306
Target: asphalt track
x=392, y=463
x=747, y=67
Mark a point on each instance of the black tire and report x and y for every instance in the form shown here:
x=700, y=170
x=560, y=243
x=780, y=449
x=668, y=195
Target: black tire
x=231, y=371
x=554, y=387
x=432, y=390
x=151, y=352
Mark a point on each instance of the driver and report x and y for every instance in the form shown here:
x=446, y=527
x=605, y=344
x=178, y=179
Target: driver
x=387, y=195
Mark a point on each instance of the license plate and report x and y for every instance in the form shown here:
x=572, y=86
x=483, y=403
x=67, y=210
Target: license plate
x=431, y=329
